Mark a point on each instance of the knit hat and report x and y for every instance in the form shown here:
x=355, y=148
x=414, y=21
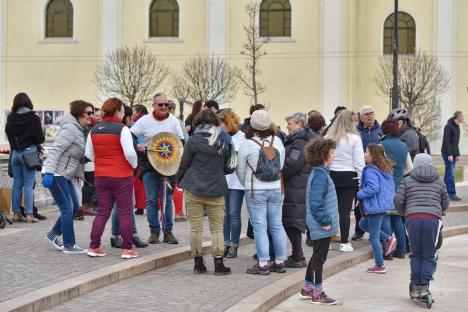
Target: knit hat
x=260, y=120
x=422, y=159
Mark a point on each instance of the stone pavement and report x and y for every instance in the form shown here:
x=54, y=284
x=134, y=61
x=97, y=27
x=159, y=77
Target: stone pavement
x=389, y=292
x=29, y=262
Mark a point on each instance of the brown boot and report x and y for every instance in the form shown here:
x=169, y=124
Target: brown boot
x=79, y=216
x=17, y=217
x=30, y=218
x=88, y=210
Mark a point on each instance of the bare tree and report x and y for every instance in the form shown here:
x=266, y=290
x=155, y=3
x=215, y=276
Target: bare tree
x=180, y=90
x=211, y=78
x=422, y=81
x=130, y=73
x=253, y=49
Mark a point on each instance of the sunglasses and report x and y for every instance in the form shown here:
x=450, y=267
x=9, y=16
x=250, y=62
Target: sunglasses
x=89, y=113
x=163, y=104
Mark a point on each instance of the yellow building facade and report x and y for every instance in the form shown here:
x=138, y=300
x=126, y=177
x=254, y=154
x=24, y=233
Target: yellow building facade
x=323, y=53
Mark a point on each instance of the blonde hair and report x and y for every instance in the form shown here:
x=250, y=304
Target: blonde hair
x=343, y=125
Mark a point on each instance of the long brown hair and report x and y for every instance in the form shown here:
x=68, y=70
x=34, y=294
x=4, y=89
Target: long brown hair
x=379, y=159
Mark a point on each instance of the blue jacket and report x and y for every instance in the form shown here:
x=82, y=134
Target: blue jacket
x=371, y=135
x=377, y=191
x=397, y=151
x=321, y=204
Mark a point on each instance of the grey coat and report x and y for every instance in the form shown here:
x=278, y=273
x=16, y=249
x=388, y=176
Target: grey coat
x=423, y=192
x=67, y=153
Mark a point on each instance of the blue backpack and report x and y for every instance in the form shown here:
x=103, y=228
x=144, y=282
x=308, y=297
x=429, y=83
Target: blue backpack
x=268, y=164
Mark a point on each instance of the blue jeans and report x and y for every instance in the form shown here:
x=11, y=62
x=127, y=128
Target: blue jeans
x=232, y=218
x=116, y=221
x=423, y=235
x=23, y=180
x=153, y=183
x=372, y=224
x=394, y=224
x=449, y=177
x=64, y=195
x=265, y=211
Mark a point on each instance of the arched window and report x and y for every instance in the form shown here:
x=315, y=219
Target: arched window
x=275, y=18
x=406, y=34
x=59, y=19
x=164, y=18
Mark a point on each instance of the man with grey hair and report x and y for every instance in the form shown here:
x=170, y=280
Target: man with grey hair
x=147, y=127
x=370, y=132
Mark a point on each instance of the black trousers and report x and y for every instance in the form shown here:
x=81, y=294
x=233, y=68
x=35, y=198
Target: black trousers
x=295, y=237
x=358, y=217
x=315, y=267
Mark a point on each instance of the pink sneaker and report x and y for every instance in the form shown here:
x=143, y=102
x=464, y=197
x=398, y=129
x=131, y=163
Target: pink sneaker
x=390, y=245
x=379, y=269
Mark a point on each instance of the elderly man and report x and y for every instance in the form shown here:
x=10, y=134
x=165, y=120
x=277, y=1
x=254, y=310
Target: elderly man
x=147, y=127
x=370, y=132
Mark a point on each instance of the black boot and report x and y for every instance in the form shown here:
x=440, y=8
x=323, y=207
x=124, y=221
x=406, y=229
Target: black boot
x=226, y=249
x=220, y=269
x=199, y=265
x=116, y=242
x=138, y=242
x=37, y=215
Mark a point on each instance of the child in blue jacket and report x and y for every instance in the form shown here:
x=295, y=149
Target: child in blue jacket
x=322, y=217
x=376, y=195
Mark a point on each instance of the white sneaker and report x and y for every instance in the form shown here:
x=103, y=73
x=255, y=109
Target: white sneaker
x=346, y=247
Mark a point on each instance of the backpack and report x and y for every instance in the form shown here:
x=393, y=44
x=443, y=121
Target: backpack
x=268, y=164
x=424, y=146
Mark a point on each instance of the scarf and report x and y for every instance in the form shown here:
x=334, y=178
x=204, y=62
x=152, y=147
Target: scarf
x=160, y=117
x=219, y=138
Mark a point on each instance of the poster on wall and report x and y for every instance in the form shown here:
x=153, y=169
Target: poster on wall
x=40, y=114
x=48, y=117
x=57, y=117
x=51, y=132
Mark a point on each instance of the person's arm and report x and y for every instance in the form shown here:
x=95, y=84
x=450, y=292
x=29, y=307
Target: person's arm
x=317, y=192
x=38, y=133
x=408, y=165
x=370, y=185
x=242, y=162
x=447, y=140
x=126, y=141
x=89, y=149
x=61, y=143
x=358, y=157
x=178, y=128
x=400, y=199
x=185, y=162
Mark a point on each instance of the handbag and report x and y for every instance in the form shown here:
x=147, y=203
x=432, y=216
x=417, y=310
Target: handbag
x=31, y=160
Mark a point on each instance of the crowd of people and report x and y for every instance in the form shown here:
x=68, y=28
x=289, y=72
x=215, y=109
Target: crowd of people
x=307, y=181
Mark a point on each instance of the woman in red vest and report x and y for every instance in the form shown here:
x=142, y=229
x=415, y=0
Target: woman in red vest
x=110, y=146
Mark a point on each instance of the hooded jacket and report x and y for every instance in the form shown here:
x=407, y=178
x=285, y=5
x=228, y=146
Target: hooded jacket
x=203, y=166
x=371, y=135
x=377, y=190
x=423, y=192
x=67, y=152
x=26, y=126
x=397, y=151
x=295, y=174
x=451, y=138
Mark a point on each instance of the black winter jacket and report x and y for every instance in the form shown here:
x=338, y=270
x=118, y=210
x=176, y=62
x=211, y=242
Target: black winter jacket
x=202, y=168
x=26, y=127
x=451, y=138
x=296, y=171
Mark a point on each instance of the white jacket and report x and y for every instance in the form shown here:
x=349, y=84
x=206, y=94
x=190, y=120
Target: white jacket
x=349, y=155
x=232, y=180
x=248, y=152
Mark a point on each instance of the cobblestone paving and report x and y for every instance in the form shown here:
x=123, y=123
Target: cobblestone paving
x=29, y=262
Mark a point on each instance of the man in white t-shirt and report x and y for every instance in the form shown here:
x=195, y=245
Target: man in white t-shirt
x=147, y=127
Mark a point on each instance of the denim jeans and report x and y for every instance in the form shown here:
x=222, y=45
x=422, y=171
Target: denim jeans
x=232, y=219
x=449, y=177
x=116, y=222
x=265, y=211
x=153, y=186
x=394, y=224
x=373, y=225
x=64, y=195
x=23, y=180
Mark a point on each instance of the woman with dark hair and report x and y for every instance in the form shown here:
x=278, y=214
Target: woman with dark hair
x=196, y=108
x=260, y=173
x=110, y=146
x=24, y=133
x=139, y=111
x=208, y=156
x=63, y=161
